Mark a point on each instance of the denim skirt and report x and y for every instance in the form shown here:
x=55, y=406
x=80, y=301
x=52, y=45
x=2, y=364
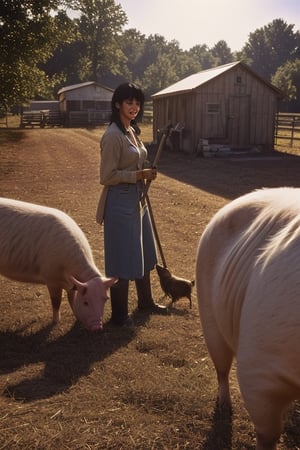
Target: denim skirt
x=129, y=243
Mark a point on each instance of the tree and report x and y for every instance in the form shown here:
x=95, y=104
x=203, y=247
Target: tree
x=133, y=43
x=100, y=24
x=287, y=79
x=203, y=56
x=222, y=53
x=163, y=63
x=155, y=46
x=65, y=63
x=271, y=46
x=159, y=75
x=29, y=33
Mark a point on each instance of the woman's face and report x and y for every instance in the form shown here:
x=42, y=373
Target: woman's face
x=129, y=109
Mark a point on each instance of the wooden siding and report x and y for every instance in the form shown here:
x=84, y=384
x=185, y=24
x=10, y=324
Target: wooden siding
x=87, y=104
x=245, y=117
x=92, y=92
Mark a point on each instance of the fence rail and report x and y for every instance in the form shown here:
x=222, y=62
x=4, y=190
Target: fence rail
x=287, y=127
x=41, y=118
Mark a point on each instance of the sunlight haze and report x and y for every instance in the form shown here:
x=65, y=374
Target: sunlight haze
x=193, y=22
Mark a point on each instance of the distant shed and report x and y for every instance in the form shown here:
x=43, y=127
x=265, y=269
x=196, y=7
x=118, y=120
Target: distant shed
x=229, y=104
x=86, y=104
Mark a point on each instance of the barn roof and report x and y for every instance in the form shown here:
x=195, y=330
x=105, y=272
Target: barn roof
x=192, y=82
x=81, y=85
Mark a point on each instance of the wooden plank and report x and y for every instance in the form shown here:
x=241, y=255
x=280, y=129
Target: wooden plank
x=32, y=118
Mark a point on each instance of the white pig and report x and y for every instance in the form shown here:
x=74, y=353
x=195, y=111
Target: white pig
x=43, y=245
x=248, y=289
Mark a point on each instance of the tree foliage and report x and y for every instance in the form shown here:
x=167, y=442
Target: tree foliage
x=222, y=53
x=287, y=78
x=43, y=48
x=203, y=56
x=272, y=46
x=100, y=24
x=132, y=44
x=29, y=33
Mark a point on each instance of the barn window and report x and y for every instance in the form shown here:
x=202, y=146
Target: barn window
x=239, y=79
x=213, y=108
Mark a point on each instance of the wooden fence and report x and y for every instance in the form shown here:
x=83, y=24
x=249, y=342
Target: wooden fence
x=287, y=127
x=41, y=118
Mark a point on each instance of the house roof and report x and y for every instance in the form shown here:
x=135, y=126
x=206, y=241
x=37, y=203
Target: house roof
x=81, y=85
x=192, y=82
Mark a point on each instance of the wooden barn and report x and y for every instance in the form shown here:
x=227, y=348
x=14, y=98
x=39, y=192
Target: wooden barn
x=85, y=104
x=229, y=105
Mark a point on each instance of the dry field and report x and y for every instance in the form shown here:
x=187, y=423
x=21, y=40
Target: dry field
x=153, y=387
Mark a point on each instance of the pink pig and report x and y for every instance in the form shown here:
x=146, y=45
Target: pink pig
x=248, y=288
x=43, y=245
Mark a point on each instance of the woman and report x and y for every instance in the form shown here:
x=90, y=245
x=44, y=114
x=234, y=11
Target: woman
x=130, y=252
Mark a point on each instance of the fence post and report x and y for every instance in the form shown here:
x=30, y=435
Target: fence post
x=287, y=127
x=276, y=127
x=293, y=129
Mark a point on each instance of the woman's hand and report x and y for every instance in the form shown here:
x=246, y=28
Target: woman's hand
x=146, y=174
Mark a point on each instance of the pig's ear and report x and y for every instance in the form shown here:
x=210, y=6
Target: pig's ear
x=108, y=282
x=81, y=287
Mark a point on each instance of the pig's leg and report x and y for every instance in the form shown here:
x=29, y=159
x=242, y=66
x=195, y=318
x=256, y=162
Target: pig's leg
x=220, y=353
x=267, y=415
x=265, y=402
x=71, y=295
x=56, y=296
x=221, y=356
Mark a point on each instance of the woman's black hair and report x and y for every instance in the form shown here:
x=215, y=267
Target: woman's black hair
x=126, y=91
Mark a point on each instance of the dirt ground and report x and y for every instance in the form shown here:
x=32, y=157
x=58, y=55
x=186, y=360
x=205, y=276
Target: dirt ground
x=151, y=388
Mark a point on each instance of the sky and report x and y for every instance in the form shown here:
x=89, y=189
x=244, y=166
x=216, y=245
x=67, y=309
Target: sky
x=198, y=22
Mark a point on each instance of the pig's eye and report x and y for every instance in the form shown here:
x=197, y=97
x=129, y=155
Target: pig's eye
x=86, y=303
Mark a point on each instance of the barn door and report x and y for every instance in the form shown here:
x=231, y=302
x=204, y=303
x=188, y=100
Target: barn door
x=239, y=121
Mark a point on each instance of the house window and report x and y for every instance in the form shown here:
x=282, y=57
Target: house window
x=213, y=108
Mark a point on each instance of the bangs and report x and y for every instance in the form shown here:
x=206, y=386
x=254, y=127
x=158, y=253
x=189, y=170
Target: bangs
x=129, y=91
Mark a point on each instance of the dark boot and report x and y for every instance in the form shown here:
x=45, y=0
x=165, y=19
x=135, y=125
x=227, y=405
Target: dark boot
x=119, y=304
x=145, y=300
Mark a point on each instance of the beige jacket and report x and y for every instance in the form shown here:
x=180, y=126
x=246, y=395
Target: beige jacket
x=120, y=159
